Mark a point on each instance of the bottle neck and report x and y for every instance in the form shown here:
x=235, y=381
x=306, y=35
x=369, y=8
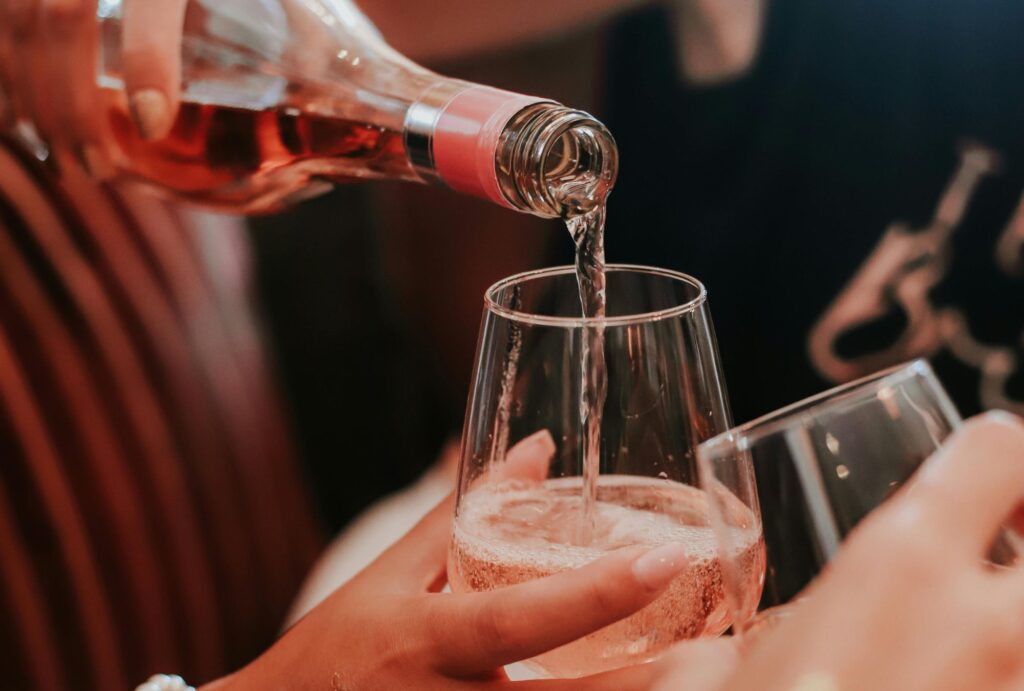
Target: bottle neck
x=522, y=152
x=555, y=161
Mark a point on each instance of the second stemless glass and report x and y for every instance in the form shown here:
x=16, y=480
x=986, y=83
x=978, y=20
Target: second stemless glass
x=519, y=512
x=822, y=465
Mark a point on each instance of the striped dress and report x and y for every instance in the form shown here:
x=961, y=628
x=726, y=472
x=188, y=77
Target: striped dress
x=152, y=516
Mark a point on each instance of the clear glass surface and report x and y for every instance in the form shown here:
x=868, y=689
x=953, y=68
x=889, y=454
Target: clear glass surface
x=823, y=464
x=519, y=513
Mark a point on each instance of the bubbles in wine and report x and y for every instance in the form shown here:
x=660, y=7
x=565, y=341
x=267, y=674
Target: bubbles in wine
x=514, y=532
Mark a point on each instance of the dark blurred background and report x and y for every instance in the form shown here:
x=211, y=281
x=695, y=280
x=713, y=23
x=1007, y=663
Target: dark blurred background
x=776, y=183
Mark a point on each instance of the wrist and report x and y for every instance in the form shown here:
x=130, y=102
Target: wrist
x=228, y=683
x=255, y=676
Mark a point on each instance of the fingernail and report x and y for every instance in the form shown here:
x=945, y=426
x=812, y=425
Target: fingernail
x=151, y=112
x=659, y=566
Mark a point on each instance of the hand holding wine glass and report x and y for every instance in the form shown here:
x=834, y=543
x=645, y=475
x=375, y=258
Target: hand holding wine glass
x=822, y=465
x=910, y=602
x=390, y=628
x=664, y=395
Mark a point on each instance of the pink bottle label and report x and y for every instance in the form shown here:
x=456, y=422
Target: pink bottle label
x=466, y=137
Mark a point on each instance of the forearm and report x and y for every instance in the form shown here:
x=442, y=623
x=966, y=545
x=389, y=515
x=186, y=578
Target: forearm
x=439, y=30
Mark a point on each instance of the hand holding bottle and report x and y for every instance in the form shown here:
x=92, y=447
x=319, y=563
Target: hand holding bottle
x=250, y=105
x=48, y=56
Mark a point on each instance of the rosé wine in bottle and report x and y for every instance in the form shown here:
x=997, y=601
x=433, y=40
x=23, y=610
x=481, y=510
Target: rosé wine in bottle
x=511, y=532
x=282, y=98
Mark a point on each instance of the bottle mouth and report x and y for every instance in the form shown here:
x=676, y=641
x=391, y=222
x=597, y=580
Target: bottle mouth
x=554, y=161
x=527, y=153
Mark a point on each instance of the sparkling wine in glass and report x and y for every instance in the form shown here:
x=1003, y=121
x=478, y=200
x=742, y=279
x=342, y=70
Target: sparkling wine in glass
x=520, y=518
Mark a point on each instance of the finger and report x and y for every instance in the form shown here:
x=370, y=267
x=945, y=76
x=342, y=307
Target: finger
x=493, y=628
x=152, y=62
x=530, y=459
x=974, y=482
x=700, y=665
x=71, y=24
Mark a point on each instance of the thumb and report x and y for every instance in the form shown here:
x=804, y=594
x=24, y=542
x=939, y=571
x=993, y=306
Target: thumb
x=496, y=627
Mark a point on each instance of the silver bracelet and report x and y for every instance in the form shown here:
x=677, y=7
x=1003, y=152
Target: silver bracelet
x=165, y=682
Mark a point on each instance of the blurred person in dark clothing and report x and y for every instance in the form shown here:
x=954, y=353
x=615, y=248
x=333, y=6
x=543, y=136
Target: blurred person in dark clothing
x=846, y=179
x=852, y=199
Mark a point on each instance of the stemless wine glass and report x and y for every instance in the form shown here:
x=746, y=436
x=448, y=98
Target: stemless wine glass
x=519, y=513
x=823, y=464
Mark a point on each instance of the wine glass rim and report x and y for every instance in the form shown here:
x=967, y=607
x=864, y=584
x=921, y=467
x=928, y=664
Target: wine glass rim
x=796, y=413
x=691, y=305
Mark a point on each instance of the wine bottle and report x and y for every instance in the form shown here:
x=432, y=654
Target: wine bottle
x=283, y=98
